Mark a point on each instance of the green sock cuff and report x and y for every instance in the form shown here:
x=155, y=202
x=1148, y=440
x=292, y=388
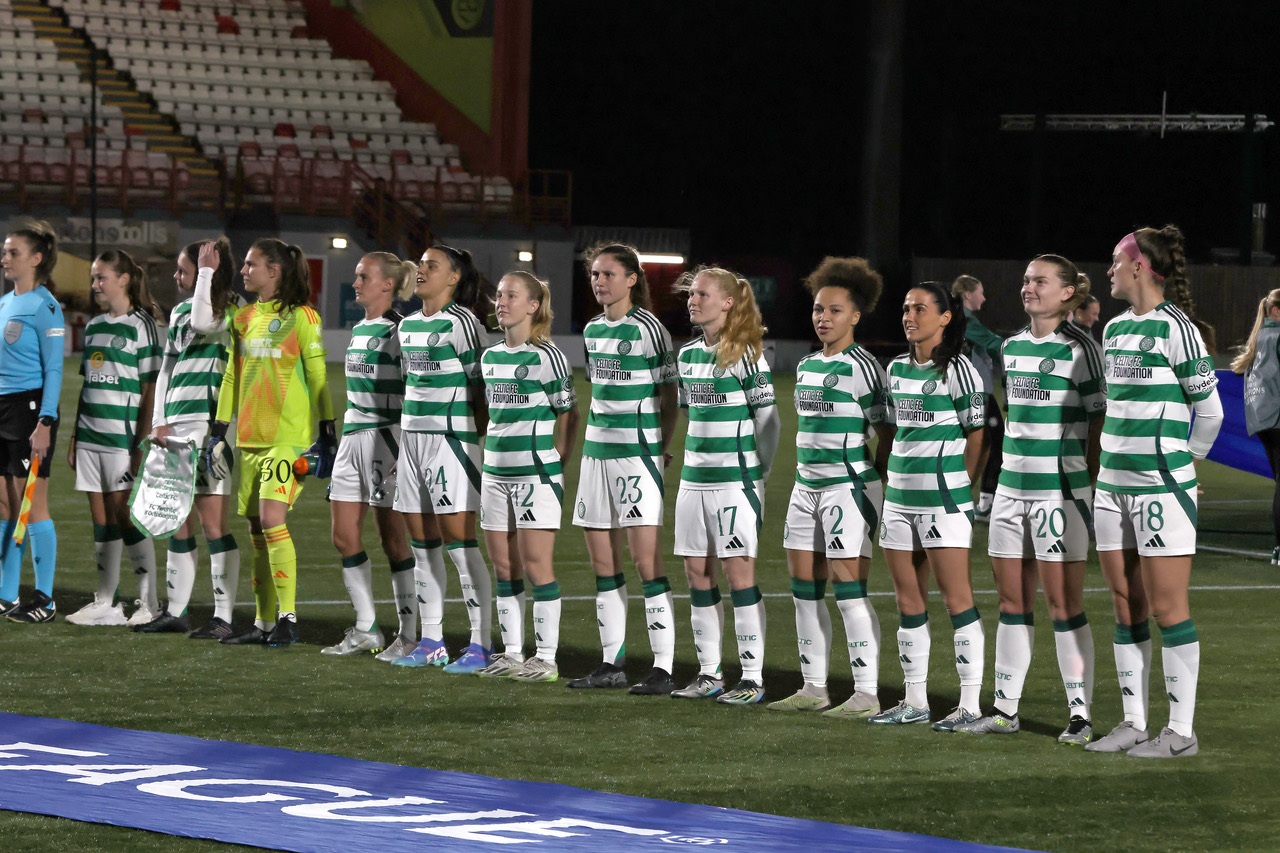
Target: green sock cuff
x=657, y=586
x=704, y=597
x=820, y=587
x=1180, y=634
x=105, y=532
x=182, y=546
x=1062, y=626
x=461, y=543
x=418, y=543
x=915, y=620
x=804, y=590
x=132, y=535
x=431, y=543
x=609, y=582
x=517, y=586
x=849, y=589
x=354, y=560
x=1015, y=619
x=1130, y=634
x=966, y=617
x=223, y=544
x=399, y=566
x=502, y=589
x=745, y=597
x=546, y=591
x=1141, y=631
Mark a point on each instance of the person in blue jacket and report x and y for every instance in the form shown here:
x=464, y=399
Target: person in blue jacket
x=30, y=381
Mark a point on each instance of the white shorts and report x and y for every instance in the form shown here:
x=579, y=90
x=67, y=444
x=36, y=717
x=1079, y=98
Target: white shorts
x=363, y=472
x=1053, y=531
x=507, y=505
x=198, y=432
x=906, y=530
x=437, y=474
x=614, y=493
x=718, y=522
x=830, y=521
x=102, y=471
x=1156, y=525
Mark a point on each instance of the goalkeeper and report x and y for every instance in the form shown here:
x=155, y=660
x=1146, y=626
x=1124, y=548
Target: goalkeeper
x=275, y=386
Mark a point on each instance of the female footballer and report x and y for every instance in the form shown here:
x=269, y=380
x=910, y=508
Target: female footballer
x=937, y=403
x=438, y=473
x=727, y=391
x=835, y=505
x=1158, y=373
x=120, y=363
x=533, y=421
x=1041, y=513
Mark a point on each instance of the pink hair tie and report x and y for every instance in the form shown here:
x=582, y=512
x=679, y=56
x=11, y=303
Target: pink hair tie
x=1129, y=245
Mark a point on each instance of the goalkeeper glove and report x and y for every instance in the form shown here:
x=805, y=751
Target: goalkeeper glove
x=218, y=455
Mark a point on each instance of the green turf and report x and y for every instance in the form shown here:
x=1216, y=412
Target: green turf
x=1022, y=791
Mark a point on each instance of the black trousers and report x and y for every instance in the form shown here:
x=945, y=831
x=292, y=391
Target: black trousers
x=1270, y=439
x=994, y=439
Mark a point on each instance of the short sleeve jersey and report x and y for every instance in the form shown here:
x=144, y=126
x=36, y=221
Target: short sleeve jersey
x=194, y=363
x=440, y=356
x=375, y=381
x=720, y=450
x=33, y=332
x=121, y=354
x=840, y=400
x=628, y=360
x=1054, y=388
x=526, y=388
x=1156, y=370
x=933, y=414
x=273, y=350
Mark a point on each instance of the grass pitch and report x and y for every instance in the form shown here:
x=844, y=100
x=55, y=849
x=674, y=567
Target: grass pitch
x=1021, y=791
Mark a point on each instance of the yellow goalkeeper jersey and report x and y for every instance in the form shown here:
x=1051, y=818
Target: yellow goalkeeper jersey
x=275, y=384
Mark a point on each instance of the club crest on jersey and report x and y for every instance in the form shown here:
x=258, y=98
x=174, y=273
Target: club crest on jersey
x=117, y=342
x=433, y=339
x=1046, y=366
x=624, y=347
x=717, y=372
x=929, y=387
x=372, y=343
x=274, y=325
x=830, y=380
x=522, y=371
x=1147, y=344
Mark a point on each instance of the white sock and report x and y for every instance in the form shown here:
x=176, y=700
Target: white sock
x=813, y=633
x=1075, y=663
x=611, y=617
x=660, y=619
x=985, y=499
x=1133, y=662
x=546, y=620
x=224, y=572
x=511, y=618
x=1181, y=659
x=1015, y=639
x=432, y=583
x=970, y=647
x=706, y=617
x=357, y=577
x=913, y=654
x=180, y=574
x=862, y=633
x=477, y=591
x=403, y=589
x=107, y=554
x=748, y=627
x=142, y=554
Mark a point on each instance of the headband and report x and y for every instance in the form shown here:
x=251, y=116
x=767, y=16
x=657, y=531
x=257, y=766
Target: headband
x=1129, y=245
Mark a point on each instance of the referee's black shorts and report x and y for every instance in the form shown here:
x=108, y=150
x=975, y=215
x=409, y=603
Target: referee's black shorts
x=19, y=414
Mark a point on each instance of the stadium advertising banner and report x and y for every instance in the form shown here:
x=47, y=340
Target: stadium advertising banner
x=299, y=801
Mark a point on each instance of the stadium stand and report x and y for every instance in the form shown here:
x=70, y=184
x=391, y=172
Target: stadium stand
x=207, y=104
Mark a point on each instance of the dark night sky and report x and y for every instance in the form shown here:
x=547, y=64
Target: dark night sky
x=741, y=121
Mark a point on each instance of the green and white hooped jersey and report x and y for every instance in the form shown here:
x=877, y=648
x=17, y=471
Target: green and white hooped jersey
x=1054, y=388
x=375, y=380
x=933, y=414
x=627, y=361
x=840, y=399
x=440, y=356
x=192, y=368
x=1156, y=369
x=720, y=450
x=526, y=387
x=121, y=354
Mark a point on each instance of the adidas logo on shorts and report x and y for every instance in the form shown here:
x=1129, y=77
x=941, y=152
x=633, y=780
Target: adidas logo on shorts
x=444, y=501
x=933, y=533
x=1155, y=542
x=635, y=513
x=835, y=545
x=1057, y=548
x=528, y=516
x=734, y=543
